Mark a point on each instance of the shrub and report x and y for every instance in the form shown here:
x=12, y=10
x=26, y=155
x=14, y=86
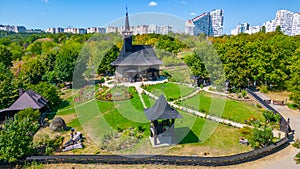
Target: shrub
x=297, y=158
x=292, y=106
x=297, y=143
x=244, y=93
x=271, y=117
x=261, y=137
x=258, y=105
x=263, y=89
x=246, y=131
x=141, y=129
x=30, y=113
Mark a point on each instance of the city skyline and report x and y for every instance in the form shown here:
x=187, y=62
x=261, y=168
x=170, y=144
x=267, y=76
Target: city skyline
x=53, y=13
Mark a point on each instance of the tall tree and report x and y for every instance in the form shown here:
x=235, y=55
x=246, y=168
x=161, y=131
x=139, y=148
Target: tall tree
x=7, y=92
x=65, y=62
x=5, y=56
x=294, y=82
x=47, y=90
x=105, y=66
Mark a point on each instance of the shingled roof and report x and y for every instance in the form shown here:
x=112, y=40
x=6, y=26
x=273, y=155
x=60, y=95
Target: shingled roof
x=162, y=110
x=28, y=99
x=141, y=55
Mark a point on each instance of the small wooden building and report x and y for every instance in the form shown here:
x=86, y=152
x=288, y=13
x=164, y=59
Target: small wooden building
x=26, y=99
x=162, y=117
x=135, y=62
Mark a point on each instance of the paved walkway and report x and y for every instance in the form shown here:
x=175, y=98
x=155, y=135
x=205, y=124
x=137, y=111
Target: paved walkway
x=284, y=158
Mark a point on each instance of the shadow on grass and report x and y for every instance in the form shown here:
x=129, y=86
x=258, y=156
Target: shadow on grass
x=185, y=135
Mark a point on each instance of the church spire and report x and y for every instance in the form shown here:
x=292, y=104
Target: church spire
x=127, y=28
x=127, y=35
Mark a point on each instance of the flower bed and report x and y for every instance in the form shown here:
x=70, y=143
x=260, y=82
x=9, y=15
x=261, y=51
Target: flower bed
x=116, y=93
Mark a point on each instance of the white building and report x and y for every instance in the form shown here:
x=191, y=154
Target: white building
x=241, y=28
x=287, y=20
x=296, y=24
x=95, y=30
x=7, y=28
x=217, y=20
x=253, y=29
x=50, y=30
x=189, y=27
x=209, y=23
x=142, y=29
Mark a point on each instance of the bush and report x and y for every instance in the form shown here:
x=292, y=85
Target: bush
x=297, y=143
x=258, y=105
x=263, y=89
x=244, y=93
x=30, y=113
x=292, y=106
x=261, y=137
x=271, y=117
x=246, y=131
x=297, y=158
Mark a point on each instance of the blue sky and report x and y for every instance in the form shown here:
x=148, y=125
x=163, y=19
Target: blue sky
x=87, y=13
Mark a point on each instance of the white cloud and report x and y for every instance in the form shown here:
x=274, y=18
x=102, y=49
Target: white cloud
x=45, y=1
x=152, y=3
x=193, y=13
x=184, y=2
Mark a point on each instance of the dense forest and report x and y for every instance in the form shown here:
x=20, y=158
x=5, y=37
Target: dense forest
x=270, y=61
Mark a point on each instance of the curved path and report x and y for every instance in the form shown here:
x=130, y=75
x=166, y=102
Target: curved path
x=284, y=158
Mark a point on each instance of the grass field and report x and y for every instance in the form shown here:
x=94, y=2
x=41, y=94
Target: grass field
x=233, y=110
x=172, y=91
x=194, y=135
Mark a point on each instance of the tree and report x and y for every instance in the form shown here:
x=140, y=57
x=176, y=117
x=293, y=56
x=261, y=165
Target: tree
x=278, y=28
x=105, y=66
x=294, y=81
x=65, y=62
x=263, y=29
x=16, y=138
x=261, y=137
x=29, y=113
x=50, y=92
x=33, y=70
x=8, y=94
x=5, y=56
x=196, y=65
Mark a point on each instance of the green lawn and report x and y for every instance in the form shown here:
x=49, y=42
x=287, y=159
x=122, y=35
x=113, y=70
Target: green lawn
x=172, y=91
x=148, y=101
x=233, y=110
x=95, y=118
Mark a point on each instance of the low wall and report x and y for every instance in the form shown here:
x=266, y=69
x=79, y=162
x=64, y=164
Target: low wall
x=162, y=159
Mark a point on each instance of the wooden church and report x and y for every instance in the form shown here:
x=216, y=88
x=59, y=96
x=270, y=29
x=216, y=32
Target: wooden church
x=135, y=62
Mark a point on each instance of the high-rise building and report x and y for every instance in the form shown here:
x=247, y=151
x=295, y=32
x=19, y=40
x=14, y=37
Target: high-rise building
x=209, y=23
x=288, y=21
x=241, y=28
x=296, y=24
x=217, y=19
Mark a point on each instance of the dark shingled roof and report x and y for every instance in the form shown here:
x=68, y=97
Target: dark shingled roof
x=141, y=55
x=28, y=99
x=162, y=110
